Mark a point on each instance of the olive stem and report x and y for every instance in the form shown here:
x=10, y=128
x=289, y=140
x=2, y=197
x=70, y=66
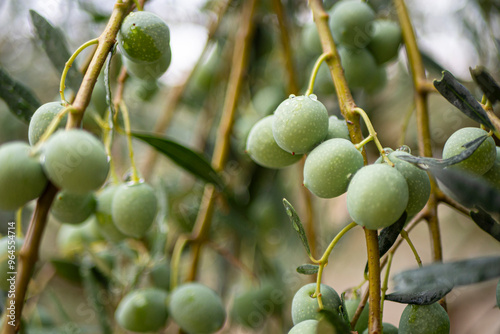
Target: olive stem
x=385, y=284
x=19, y=217
x=107, y=138
x=405, y=236
x=69, y=63
x=364, y=142
x=315, y=70
x=126, y=121
x=324, y=259
x=373, y=134
x=176, y=259
x=138, y=5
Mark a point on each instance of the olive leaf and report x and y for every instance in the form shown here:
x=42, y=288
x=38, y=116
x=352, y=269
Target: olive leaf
x=308, y=269
x=55, y=46
x=423, y=295
x=486, y=82
x=297, y=225
x=19, y=98
x=343, y=310
x=469, y=189
x=191, y=161
x=486, y=223
x=450, y=274
x=470, y=148
x=461, y=98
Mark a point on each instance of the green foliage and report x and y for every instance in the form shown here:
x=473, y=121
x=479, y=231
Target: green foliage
x=19, y=98
x=377, y=196
x=75, y=161
x=143, y=310
x=263, y=149
x=21, y=176
x=134, y=208
x=330, y=166
x=197, y=308
x=300, y=123
x=424, y=319
x=305, y=306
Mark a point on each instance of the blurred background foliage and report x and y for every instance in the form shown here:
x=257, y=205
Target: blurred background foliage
x=253, y=227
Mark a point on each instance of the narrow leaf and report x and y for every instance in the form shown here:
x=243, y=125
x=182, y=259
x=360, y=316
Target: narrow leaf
x=486, y=223
x=470, y=148
x=424, y=295
x=449, y=274
x=468, y=189
x=54, y=44
x=308, y=269
x=461, y=98
x=343, y=311
x=191, y=161
x=332, y=323
x=297, y=225
x=488, y=85
x=20, y=99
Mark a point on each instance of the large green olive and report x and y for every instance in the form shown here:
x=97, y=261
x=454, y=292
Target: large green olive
x=305, y=306
x=385, y=41
x=41, y=119
x=424, y=319
x=351, y=22
x=359, y=67
x=73, y=208
x=337, y=128
x=305, y=327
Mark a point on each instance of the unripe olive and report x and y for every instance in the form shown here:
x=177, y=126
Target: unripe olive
x=493, y=174
x=300, y=123
x=377, y=196
x=149, y=71
x=377, y=81
x=337, y=128
x=21, y=176
x=351, y=22
x=72, y=239
x=263, y=149
x=419, y=185
x=305, y=327
x=41, y=119
x=197, y=309
x=310, y=39
x=9, y=250
x=330, y=166
x=254, y=306
x=134, y=208
x=305, y=306
x=481, y=160
x=359, y=67
x=424, y=319
x=73, y=208
x=143, y=310
x=351, y=307
x=385, y=41
x=387, y=328
x=103, y=214
x=75, y=161
x=143, y=37
x=160, y=275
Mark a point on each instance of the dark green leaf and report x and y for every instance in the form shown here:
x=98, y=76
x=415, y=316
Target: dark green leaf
x=54, y=44
x=67, y=269
x=308, y=269
x=470, y=148
x=449, y=274
x=430, y=63
x=486, y=223
x=488, y=85
x=424, y=295
x=20, y=99
x=331, y=323
x=469, y=189
x=343, y=310
x=297, y=225
x=461, y=98
x=184, y=157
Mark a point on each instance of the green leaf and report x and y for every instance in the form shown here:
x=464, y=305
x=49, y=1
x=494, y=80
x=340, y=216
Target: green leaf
x=54, y=44
x=191, y=161
x=488, y=85
x=308, y=269
x=470, y=148
x=297, y=225
x=461, y=98
x=67, y=269
x=469, y=189
x=486, y=223
x=343, y=310
x=424, y=295
x=19, y=98
x=332, y=323
x=449, y=274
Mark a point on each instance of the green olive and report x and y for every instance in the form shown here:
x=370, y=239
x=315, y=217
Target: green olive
x=359, y=67
x=424, y=319
x=103, y=214
x=73, y=239
x=351, y=22
x=351, y=307
x=337, y=128
x=305, y=306
x=73, y=208
x=493, y=174
x=41, y=119
x=305, y=327
x=385, y=41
